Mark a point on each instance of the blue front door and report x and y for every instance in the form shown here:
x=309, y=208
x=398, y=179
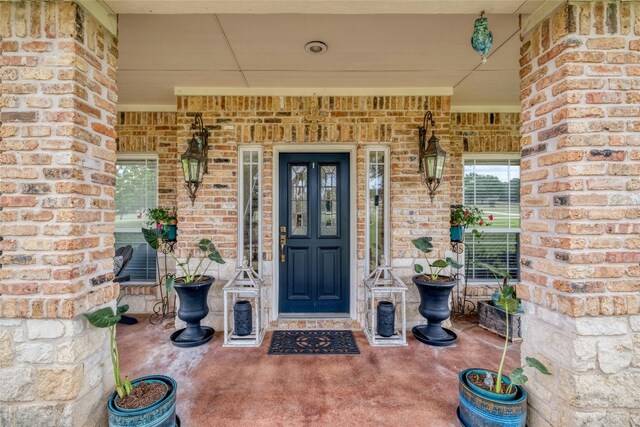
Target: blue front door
x=314, y=233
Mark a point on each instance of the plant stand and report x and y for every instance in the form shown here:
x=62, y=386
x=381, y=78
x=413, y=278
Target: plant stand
x=245, y=284
x=492, y=319
x=383, y=285
x=166, y=307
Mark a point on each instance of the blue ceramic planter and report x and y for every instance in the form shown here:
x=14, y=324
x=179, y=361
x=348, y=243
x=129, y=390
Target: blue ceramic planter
x=489, y=394
x=479, y=411
x=456, y=232
x=160, y=414
x=172, y=231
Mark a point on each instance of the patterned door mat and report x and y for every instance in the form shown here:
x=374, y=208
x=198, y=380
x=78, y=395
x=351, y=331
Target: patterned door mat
x=313, y=342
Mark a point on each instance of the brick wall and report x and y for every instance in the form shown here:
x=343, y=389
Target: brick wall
x=57, y=154
x=355, y=121
x=153, y=132
x=580, y=213
x=145, y=132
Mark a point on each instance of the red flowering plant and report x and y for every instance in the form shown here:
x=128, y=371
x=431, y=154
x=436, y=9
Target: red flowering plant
x=469, y=217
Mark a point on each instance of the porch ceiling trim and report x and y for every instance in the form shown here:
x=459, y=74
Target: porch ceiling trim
x=309, y=91
x=154, y=108
x=485, y=108
x=102, y=13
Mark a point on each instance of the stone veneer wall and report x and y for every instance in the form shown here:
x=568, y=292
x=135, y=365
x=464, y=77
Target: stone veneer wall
x=57, y=154
x=580, y=92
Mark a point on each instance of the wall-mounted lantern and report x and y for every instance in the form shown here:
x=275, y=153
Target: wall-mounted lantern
x=432, y=156
x=194, y=160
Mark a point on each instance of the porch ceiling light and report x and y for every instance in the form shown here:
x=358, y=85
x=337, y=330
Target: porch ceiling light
x=432, y=156
x=194, y=160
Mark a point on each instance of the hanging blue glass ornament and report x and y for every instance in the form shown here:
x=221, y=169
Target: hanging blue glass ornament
x=482, y=38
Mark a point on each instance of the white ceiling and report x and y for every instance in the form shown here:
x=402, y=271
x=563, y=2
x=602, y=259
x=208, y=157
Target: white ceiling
x=161, y=52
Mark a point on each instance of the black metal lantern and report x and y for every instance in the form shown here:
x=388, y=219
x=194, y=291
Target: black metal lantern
x=432, y=156
x=194, y=160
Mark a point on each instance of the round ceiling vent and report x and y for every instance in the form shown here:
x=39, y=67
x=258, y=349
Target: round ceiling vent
x=316, y=47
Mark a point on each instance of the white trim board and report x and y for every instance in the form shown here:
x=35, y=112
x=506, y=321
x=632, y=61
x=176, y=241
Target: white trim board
x=309, y=91
x=353, y=217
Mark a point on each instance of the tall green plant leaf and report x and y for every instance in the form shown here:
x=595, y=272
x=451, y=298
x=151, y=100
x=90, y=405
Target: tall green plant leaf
x=518, y=377
x=169, y=282
x=497, y=272
x=418, y=268
x=105, y=317
x=535, y=363
x=423, y=244
x=509, y=305
x=154, y=237
x=216, y=257
x=204, y=244
x=439, y=263
x=453, y=263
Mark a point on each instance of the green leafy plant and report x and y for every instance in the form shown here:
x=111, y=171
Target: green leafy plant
x=107, y=318
x=509, y=303
x=435, y=268
x=469, y=216
x=157, y=216
x=208, y=254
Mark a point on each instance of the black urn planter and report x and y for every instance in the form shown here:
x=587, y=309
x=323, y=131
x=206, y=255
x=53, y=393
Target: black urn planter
x=386, y=318
x=434, y=306
x=242, y=321
x=193, y=308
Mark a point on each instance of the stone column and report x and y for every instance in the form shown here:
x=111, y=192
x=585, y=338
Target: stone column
x=57, y=154
x=580, y=214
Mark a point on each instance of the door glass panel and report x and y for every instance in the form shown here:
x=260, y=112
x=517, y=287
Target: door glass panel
x=328, y=200
x=376, y=208
x=298, y=202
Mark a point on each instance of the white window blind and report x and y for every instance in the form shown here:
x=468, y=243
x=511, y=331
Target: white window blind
x=136, y=191
x=493, y=185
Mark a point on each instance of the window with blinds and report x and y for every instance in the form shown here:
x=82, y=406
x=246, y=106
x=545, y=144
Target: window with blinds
x=493, y=185
x=136, y=191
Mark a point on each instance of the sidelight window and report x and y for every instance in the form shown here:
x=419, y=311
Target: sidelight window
x=377, y=207
x=250, y=203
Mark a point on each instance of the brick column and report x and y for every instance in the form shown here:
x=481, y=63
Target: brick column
x=57, y=178
x=580, y=214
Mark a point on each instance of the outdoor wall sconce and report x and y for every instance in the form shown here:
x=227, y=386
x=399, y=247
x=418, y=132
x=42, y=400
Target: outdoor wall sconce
x=194, y=160
x=432, y=156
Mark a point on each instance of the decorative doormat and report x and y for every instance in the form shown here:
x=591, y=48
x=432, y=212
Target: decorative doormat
x=313, y=342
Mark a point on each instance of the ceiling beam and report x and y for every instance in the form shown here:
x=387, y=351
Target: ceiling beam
x=310, y=91
x=325, y=7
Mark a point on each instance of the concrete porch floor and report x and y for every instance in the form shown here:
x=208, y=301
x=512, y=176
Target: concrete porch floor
x=398, y=386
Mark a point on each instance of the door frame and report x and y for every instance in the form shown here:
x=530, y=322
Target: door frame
x=352, y=149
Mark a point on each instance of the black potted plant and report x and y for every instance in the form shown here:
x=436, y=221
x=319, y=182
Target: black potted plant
x=489, y=398
x=149, y=400
x=192, y=289
x=434, y=290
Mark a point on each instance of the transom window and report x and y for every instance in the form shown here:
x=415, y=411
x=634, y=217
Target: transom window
x=136, y=192
x=492, y=183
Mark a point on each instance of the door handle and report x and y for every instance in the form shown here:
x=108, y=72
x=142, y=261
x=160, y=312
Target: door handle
x=283, y=243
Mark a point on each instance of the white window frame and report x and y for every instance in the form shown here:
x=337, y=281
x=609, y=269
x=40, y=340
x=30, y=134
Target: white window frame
x=387, y=208
x=138, y=156
x=242, y=149
x=491, y=230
